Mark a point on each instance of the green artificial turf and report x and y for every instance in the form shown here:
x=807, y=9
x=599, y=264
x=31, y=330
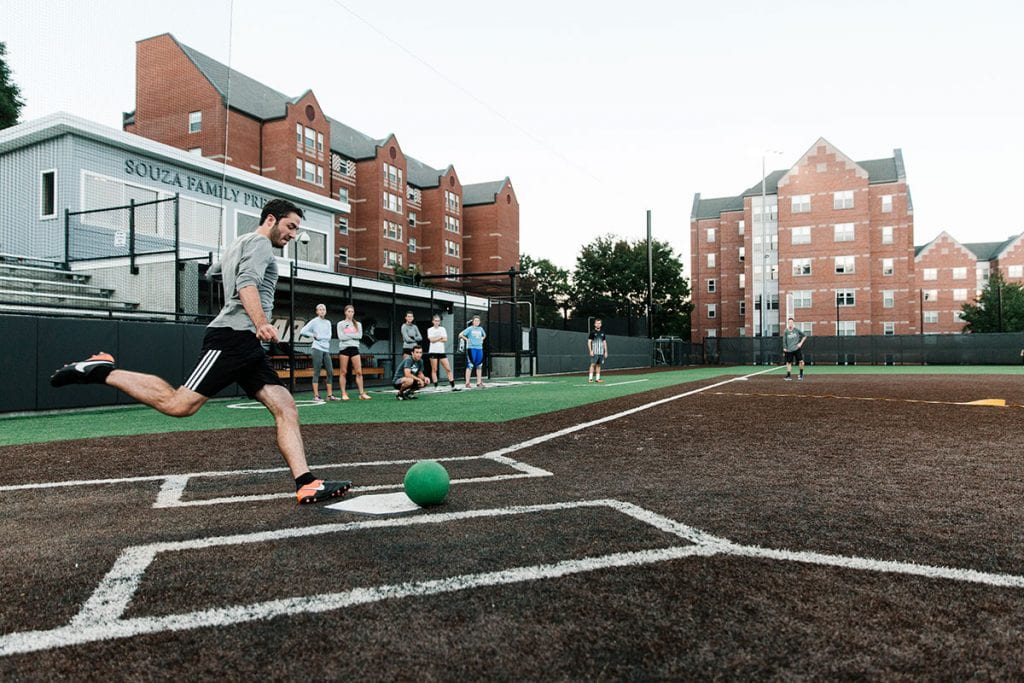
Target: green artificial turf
x=534, y=396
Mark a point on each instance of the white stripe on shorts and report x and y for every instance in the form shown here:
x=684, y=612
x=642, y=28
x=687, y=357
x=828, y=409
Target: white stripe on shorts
x=199, y=374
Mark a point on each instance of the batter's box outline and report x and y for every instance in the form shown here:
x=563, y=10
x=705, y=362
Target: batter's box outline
x=100, y=618
x=173, y=487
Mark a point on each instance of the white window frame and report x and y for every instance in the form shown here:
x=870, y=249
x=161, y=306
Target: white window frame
x=888, y=328
x=799, y=265
x=712, y=285
x=844, y=232
x=743, y=280
x=800, y=203
x=711, y=235
x=742, y=227
x=888, y=267
x=930, y=294
x=802, y=298
x=846, y=298
x=801, y=231
x=712, y=311
x=343, y=256
x=309, y=172
x=887, y=234
x=930, y=317
x=886, y=203
x=711, y=260
x=929, y=274
x=743, y=308
x=841, y=200
x=195, y=122
x=959, y=295
x=412, y=245
x=846, y=328
x=845, y=265
x=343, y=225
x=743, y=254
x=42, y=194
x=960, y=273
x=888, y=298
x=309, y=139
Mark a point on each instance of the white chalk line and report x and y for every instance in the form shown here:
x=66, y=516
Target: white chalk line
x=611, y=384
x=170, y=493
x=100, y=616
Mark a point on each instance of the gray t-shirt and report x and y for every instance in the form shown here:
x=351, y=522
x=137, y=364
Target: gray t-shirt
x=249, y=261
x=411, y=335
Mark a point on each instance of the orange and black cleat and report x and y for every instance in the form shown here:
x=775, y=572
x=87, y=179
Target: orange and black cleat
x=319, y=490
x=92, y=370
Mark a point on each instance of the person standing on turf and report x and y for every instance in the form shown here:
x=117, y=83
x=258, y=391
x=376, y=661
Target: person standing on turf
x=320, y=329
x=232, y=350
x=438, y=337
x=597, y=347
x=350, y=332
x=409, y=376
x=411, y=335
x=792, y=341
x=473, y=337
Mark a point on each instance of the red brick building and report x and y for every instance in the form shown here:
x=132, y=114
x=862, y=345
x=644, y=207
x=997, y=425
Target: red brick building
x=832, y=247
x=403, y=212
x=951, y=274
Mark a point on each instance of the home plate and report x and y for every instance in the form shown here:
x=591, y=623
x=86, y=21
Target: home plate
x=377, y=504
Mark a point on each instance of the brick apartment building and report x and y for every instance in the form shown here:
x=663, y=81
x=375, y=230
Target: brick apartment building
x=403, y=212
x=836, y=252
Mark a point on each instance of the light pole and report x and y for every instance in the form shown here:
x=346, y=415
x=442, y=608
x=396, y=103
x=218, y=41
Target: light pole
x=765, y=260
x=301, y=238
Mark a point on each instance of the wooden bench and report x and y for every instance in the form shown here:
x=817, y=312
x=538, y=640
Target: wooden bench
x=304, y=366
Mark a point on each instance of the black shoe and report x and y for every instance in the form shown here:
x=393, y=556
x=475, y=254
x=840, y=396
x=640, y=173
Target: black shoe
x=411, y=395
x=400, y=396
x=320, y=490
x=84, y=372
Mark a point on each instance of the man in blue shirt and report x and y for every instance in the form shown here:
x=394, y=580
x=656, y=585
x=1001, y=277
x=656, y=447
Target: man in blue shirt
x=473, y=337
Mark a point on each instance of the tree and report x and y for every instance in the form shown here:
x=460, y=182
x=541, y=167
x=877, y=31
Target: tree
x=611, y=280
x=1000, y=308
x=10, y=95
x=548, y=285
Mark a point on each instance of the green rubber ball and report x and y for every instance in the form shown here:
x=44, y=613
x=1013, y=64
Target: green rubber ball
x=426, y=483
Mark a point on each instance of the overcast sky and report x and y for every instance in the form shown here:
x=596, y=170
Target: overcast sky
x=599, y=110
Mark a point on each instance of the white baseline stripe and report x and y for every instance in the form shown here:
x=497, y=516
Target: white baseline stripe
x=612, y=384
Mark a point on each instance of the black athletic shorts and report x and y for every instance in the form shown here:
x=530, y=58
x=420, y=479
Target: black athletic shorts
x=350, y=351
x=438, y=356
x=795, y=356
x=231, y=356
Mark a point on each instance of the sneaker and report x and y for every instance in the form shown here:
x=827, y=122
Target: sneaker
x=599, y=381
x=456, y=388
x=411, y=395
x=400, y=396
x=317, y=399
x=468, y=385
x=320, y=490
x=800, y=378
x=82, y=371
x=590, y=380
x=332, y=397
x=788, y=379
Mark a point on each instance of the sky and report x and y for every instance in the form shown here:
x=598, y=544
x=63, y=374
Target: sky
x=599, y=111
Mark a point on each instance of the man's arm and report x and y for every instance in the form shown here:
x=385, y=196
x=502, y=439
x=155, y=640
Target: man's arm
x=250, y=297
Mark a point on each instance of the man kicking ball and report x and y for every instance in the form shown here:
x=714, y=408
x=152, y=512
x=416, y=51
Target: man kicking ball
x=409, y=375
x=232, y=351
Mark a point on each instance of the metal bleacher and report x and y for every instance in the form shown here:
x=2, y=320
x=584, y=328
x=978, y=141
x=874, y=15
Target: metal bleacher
x=30, y=285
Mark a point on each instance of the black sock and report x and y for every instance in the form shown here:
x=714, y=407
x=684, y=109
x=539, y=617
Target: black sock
x=789, y=374
x=306, y=478
x=99, y=374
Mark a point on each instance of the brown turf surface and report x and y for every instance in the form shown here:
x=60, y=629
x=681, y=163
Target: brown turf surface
x=783, y=468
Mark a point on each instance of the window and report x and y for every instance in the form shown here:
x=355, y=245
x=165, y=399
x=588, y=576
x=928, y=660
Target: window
x=392, y=258
x=451, y=247
x=298, y=168
x=320, y=176
x=801, y=203
x=931, y=317
x=888, y=298
x=743, y=308
x=801, y=235
x=847, y=328
x=846, y=297
x=742, y=226
x=343, y=255
x=392, y=231
x=711, y=260
x=844, y=265
x=958, y=316
x=298, y=133
x=741, y=332
x=343, y=225
x=315, y=251
x=844, y=232
x=889, y=328
x=773, y=272
x=887, y=266
x=711, y=234
x=802, y=299
x=412, y=245
x=712, y=332
x=309, y=172
x=343, y=194
x=392, y=176
x=712, y=285
x=887, y=234
x=743, y=280
x=1014, y=271
x=412, y=219
x=806, y=328
x=451, y=201
x=743, y=254
x=931, y=295
x=393, y=202
x=712, y=310
x=886, y=203
x=310, y=139
x=842, y=200
x=801, y=266
x=320, y=142
x=451, y=270
x=195, y=121
x=48, y=194
x=959, y=295
x=451, y=223
x=930, y=274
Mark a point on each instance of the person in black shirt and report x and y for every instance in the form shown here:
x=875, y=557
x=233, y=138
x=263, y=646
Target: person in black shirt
x=409, y=375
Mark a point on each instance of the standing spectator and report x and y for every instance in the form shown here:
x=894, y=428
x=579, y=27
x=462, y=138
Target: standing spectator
x=411, y=335
x=438, y=337
x=792, y=341
x=473, y=337
x=597, y=347
x=350, y=331
x=320, y=329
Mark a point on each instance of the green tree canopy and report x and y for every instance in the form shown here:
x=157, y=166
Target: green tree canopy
x=611, y=280
x=1000, y=308
x=548, y=284
x=10, y=95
